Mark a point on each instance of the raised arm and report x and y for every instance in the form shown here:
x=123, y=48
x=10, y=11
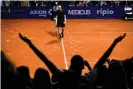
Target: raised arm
x=109, y=51
x=43, y=58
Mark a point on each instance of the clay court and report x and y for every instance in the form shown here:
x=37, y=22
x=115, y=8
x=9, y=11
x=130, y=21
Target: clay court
x=89, y=38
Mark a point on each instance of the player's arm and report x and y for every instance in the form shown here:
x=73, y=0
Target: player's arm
x=105, y=56
x=53, y=69
x=65, y=19
x=56, y=19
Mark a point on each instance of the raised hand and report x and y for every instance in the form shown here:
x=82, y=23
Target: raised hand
x=119, y=38
x=87, y=65
x=25, y=39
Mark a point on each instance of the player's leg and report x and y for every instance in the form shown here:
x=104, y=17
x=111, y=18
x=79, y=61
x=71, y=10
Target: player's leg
x=60, y=33
x=58, y=28
x=62, y=29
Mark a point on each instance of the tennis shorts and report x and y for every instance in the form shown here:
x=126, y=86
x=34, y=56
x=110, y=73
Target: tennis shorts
x=60, y=24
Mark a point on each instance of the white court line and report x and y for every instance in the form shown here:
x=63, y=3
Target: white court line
x=63, y=48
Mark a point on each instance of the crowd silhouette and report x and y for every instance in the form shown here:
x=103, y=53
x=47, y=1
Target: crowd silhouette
x=85, y=3
x=116, y=75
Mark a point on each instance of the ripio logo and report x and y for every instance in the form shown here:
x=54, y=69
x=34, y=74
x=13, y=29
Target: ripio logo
x=105, y=11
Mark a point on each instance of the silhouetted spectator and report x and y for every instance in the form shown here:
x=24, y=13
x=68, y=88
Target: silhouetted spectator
x=72, y=78
x=41, y=79
x=101, y=71
x=115, y=76
x=24, y=76
x=128, y=68
x=9, y=77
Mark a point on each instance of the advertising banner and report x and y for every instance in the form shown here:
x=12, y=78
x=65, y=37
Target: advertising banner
x=98, y=12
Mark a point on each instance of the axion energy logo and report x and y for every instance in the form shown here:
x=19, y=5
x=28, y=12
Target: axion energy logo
x=39, y=12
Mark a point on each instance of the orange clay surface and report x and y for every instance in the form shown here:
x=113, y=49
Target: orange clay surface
x=89, y=37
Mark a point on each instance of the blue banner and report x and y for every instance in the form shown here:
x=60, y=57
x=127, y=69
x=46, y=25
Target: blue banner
x=26, y=12
x=71, y=12
x=95, y=12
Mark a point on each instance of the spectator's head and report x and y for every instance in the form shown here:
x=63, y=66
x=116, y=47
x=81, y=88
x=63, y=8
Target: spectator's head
x=24, y=76
x=115, y=76
x=24, y=71
x=41, y=79
x=77, y=64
